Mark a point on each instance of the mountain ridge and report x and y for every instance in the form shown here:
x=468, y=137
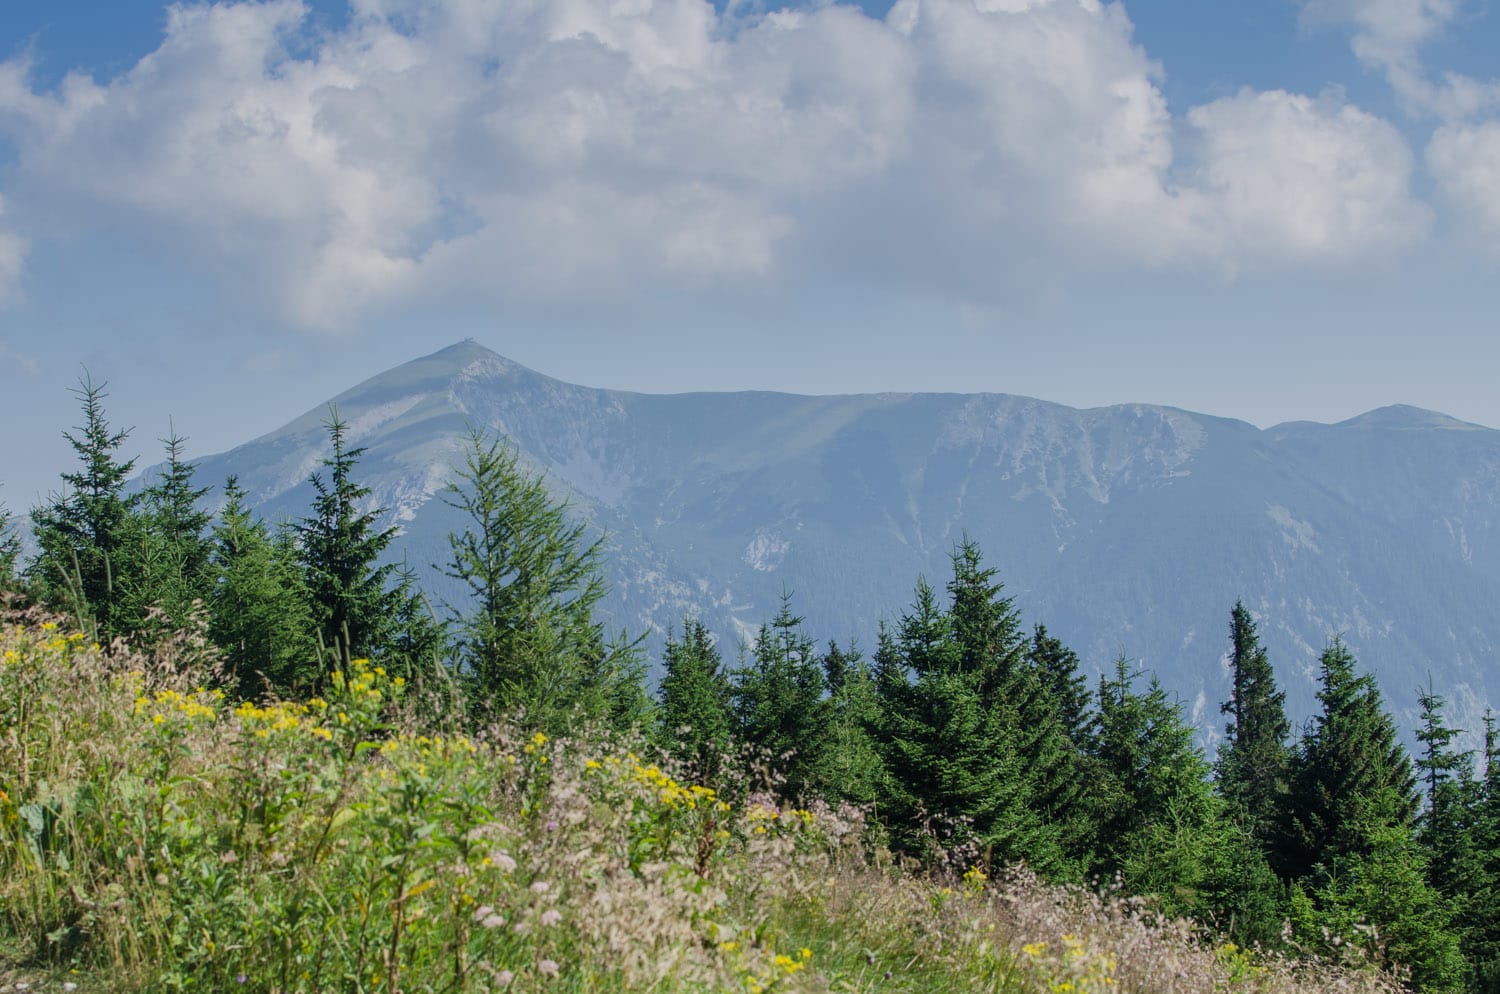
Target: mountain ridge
x=1130, y=527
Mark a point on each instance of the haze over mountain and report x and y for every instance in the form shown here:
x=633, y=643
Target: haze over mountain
x=1127, y=529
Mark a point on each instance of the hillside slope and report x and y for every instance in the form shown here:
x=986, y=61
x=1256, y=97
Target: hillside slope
x=1129, y=529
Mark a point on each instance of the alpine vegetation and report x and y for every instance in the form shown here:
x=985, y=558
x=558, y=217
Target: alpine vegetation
x=245, y=755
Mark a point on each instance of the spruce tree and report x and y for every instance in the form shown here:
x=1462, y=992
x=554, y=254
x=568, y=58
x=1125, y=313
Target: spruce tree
x=527, y=637
x=1451, y=829
x=172, y=508
x=1162, y=828
x=1030, y=691
x=986, y=625
x=415, y=640
x=171, y=547
x=10, y=551
x=341, y=547
x=779, y=702
x=258, y=607
x=1444, y=773
x=1057, y=667
x=694, y=714
x=1253, y=761
x=853, y=768
x=1482, y=913
x=1159, y=779
x=1350, y=776
x=83, y=534
x=954, y=773
x=1378, y=898
x=1351, y=810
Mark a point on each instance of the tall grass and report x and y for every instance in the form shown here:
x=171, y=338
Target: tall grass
x=157, y=836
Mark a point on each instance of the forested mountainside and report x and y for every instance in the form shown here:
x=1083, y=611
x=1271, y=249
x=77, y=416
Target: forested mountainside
x=1126, y=529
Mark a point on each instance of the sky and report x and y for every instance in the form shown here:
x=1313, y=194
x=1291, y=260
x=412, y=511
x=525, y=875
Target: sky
x=230, y=212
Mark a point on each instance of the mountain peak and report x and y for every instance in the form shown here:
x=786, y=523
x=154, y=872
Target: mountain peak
x=1401, y=417
x=468, y=348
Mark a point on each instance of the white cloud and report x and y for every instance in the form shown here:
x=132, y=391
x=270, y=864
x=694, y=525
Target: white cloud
x=1465, y=160
x=552, y=149
x=1388, y=36
x=1302, y=180
x=12, y=259
x=1463, y=154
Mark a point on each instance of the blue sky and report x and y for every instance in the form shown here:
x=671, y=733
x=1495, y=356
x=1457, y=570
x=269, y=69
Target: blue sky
x=1281, y=210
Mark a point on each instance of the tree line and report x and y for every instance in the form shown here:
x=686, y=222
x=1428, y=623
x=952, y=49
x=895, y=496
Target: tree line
x=971, y=739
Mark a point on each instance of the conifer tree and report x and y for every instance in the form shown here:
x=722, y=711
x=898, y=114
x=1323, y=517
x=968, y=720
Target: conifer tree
x=1451, y=830
x=172, y=508
x=1161, y=805
x=1351, y=774
x=83, y=532
x=694, y=716
x=779, y=703
x=1445, y=773
x=1029, y=689
x=1481, y=915
x=528, y=639
x=986, y=625
x=853, y=768
x=1378, y=897
x=1253, y=761
x=341, y=548
x=1057, y=667
x=951, y=767
x=415, y=640
x=171, y=547
x=10, y=550
x=258, y=607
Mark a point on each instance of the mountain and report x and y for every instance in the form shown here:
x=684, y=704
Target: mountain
x=1128, y=529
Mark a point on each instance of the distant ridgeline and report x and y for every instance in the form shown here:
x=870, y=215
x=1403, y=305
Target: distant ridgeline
x=1127, y=530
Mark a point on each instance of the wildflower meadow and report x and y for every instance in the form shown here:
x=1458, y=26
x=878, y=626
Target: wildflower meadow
x=158, y=835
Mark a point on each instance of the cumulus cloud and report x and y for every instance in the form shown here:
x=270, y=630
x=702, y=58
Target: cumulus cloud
x=547, y=149
x=1305, y=179
x=1388, y=36
x=1465, y=160
x=1463, y=155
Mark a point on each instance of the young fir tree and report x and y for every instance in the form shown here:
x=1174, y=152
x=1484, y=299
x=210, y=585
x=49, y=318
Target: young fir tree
x=257, y=604
x=1159, y=805
x=1481, y=937
x=1057, y=667
x=1445, y=827
x=1457, y=847
x=1350, y=776
x=527, y=639
x=779, y=705
x=953, y=773
x=986, y=625
x=853, y=769
x=1026, y=720
x=10, y=551
x=172, y=508
x=1253, y=761
x=1352, y=806
x=693, y=719
x=341, y=547
x=1377, y=898
x=171, y=547
x=83, y=534
x=415, y=640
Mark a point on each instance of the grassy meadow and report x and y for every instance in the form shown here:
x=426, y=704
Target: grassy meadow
x=156, y=835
